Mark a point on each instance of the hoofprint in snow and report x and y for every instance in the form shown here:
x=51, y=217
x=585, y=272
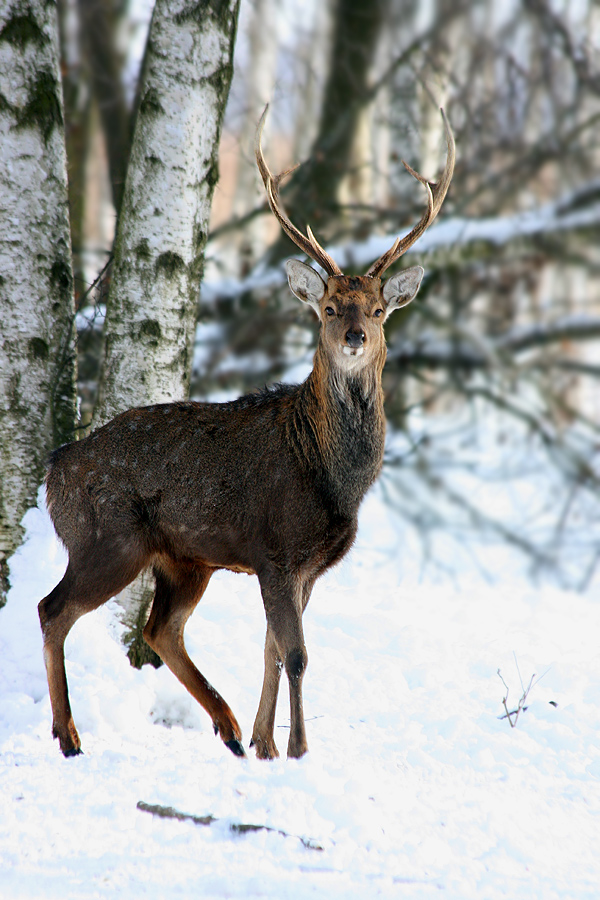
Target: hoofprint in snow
x=414, y=786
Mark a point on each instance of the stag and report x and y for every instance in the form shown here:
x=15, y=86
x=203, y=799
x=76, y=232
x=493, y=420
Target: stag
x=269, y=484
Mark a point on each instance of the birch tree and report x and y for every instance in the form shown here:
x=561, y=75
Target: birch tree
x=163, y=225
x=37, y=359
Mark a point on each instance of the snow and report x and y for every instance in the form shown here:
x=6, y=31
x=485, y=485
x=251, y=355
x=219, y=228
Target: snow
x=413, y=787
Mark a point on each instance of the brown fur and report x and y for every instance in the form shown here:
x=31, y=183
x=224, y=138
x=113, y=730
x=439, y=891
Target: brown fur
x=268, y=484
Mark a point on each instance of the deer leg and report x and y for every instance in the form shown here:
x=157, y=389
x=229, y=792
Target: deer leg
x=178, y=591
x=83, y=588
x=264, y=724
x=283, y=607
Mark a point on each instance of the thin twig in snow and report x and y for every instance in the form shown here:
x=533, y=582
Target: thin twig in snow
x=513, y=715
x=169, y=812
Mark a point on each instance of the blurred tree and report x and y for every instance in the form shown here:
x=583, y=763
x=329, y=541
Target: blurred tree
x=312, y=195
x=98, y=23
x=263, y=45
x=77, y=106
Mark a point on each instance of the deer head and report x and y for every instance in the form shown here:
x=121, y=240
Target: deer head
x=353, y=309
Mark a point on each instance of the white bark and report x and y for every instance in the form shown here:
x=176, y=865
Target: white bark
x=151, y=314
x=37, y=360
x=259, y=83
x=357, y=186
x=443, y=56
x=398, y=108
x=314, y=55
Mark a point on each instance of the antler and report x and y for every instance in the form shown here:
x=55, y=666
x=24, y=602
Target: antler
x=435, y=198
x=308, y=244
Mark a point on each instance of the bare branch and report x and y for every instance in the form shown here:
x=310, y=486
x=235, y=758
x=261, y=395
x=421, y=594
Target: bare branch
x=513, y=715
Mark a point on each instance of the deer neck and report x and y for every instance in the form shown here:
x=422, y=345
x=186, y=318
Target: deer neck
x=344, y=413
x=346, y=392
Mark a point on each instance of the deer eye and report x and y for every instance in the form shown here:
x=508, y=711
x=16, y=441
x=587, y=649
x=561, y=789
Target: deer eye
x=377, y=313
x=330, y=311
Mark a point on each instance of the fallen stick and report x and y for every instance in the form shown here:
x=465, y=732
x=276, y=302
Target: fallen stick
x=168, y=812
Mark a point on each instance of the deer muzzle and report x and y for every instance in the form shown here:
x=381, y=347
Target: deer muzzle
x=355, y=337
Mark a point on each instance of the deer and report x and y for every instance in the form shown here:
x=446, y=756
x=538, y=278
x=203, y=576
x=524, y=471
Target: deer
x=269, y=484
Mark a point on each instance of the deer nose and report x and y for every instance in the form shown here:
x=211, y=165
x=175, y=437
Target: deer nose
x=355, y=337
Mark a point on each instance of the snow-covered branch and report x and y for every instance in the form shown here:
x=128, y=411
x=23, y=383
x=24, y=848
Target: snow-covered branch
x=462, y=350
x=571, y=212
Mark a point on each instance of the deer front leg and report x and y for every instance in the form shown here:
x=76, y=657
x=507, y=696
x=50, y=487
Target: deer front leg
x=295, y=665
x=264, y=724
x=283, y=607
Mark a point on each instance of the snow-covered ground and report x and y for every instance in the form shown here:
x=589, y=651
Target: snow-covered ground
x=413, y=787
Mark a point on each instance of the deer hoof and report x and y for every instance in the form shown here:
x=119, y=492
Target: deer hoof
x=236, y=747
x=73, y=751
x=265, y=749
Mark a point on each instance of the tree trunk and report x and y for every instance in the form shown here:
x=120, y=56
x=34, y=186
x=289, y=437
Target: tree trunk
x=442, y=56
x=263, y=46
x=98, y=23
x=312, y=196
x=77, y=107
x=37, y=357
x=163, y=226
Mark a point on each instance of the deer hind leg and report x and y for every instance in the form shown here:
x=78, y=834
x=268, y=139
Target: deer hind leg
x=178, y=591
x=264, y=724
x=83, y=588
x=284, y=606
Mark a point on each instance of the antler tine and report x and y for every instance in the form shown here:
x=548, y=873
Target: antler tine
x=435, y=198
x=308, y=245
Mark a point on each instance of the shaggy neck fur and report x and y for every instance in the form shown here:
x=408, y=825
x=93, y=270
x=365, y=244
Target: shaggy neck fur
x=343, y=413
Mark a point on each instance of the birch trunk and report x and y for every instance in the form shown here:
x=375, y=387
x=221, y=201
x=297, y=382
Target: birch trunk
x=163, y=225
x=37, y=355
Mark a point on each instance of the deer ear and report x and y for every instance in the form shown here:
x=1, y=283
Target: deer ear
x=305, y=283
x=400, y=289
